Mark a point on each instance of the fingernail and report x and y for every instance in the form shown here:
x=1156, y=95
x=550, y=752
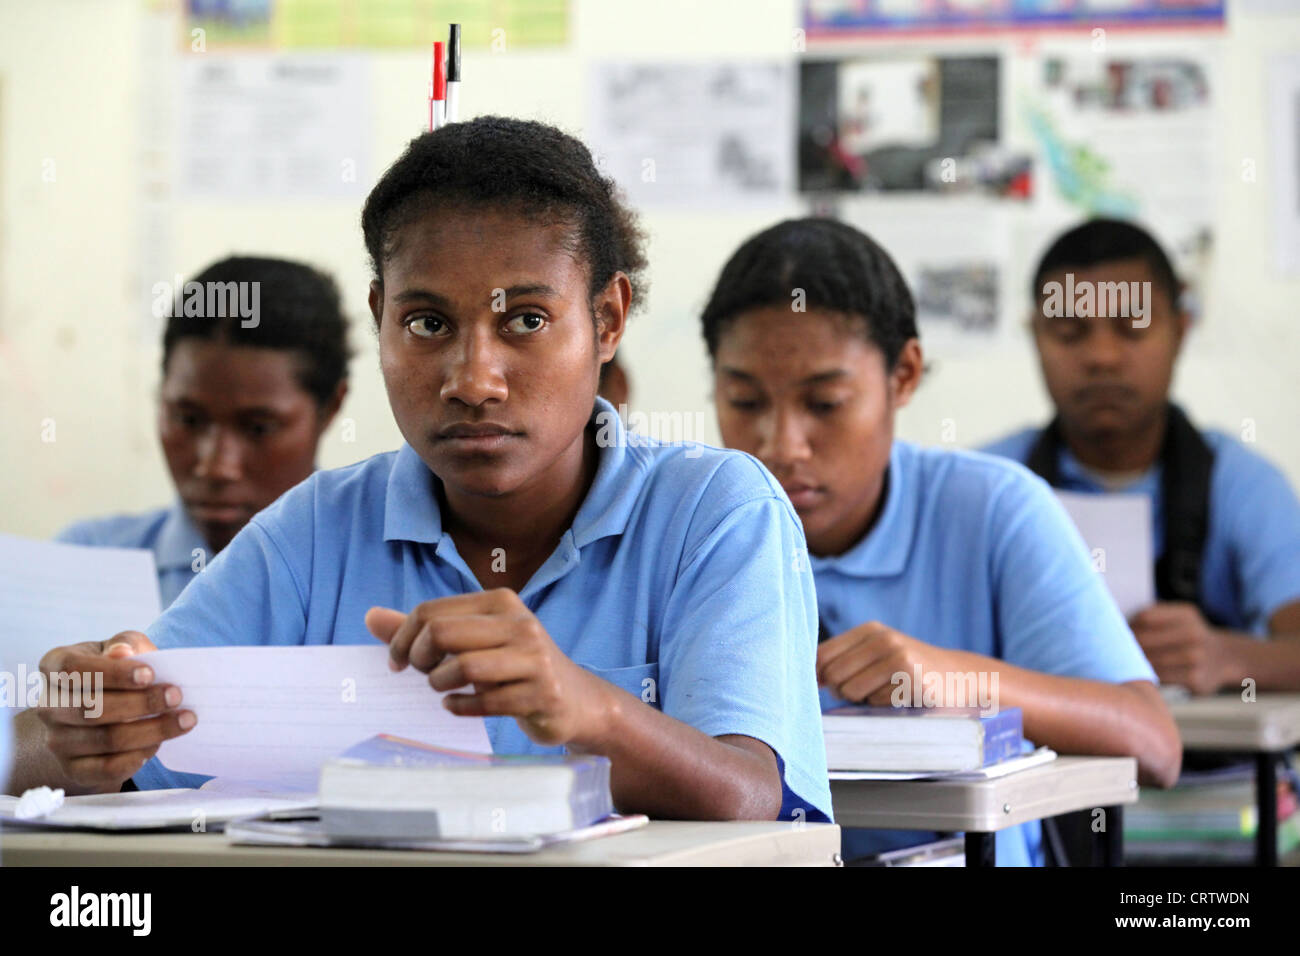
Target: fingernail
x=142, y=675
x=187, y=720
x=173, y=696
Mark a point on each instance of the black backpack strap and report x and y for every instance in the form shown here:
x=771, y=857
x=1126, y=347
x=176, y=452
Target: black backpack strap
x=1045, y=456
x=1188, y=462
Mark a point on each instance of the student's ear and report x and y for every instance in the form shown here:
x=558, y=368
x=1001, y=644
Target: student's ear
x=376, y=301
x=331, y=408
x=610, y=308
x=906, y=376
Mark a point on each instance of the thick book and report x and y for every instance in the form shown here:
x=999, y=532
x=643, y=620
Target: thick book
x=388, y=788
x=920, y=739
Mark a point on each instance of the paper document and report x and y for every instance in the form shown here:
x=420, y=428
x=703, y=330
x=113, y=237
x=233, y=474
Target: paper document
x=1043, y=755
x=155, y=809
x=52, y=594
x=267, y=713
x=1117, y=530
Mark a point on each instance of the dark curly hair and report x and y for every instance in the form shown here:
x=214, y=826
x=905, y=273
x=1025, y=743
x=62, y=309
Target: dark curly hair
x=298, y=311
x=837, y=267
x=1098, y=241
x=547, y=175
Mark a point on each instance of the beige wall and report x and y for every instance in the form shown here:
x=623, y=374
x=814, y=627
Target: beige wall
x=72, y=350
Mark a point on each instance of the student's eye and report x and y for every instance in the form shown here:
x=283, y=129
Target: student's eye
x=744, y=404
x=527, y=323
x=1067, y=330
x=186, y=419
x=823, y=408
x=260, y=429
x=425, y=326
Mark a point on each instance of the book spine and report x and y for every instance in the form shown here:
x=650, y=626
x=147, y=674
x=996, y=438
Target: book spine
x=1003, y=736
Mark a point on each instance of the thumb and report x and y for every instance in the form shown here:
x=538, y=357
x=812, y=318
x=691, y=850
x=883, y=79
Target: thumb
x=383, y=622
x=127, y=643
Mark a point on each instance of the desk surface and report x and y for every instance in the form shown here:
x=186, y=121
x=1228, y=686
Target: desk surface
x=1064, y=785
x=1269, y=723
x=661, y=843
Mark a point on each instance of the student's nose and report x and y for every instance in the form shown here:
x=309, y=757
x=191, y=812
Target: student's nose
x=220, y=455
x=783, y=441
x=475, y=374
x=1105, y=351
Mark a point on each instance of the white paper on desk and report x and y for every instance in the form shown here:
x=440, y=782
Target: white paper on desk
x=1117, y=530
x=1001, y=769
x=52, y=594
x=156, y=809
x=267, y=713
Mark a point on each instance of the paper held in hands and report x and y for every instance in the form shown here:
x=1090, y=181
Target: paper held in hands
x=266, y=713
x=1117, y=530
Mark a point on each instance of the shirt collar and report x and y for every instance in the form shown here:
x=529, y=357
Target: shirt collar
x=177, y=540
x=411, y=511
x=883, y=551
x=1074, y=475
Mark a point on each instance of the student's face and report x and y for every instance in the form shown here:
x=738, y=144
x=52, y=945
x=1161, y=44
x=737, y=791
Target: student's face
x=1106, y=377
x=488, y=347
x=810, y=397
x=237, y=431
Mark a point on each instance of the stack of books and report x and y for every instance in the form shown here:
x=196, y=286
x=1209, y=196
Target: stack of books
x=927, y=740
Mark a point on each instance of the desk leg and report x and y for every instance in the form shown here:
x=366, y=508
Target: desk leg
x=1266, y=797
x=981, y=849
x=1111, y=840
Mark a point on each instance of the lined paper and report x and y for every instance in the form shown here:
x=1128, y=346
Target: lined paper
x=1117, y=529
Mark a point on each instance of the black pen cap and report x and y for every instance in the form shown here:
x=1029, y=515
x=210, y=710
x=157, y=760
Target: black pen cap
x=453, y=54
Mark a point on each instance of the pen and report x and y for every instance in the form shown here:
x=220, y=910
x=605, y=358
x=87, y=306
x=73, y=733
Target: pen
x=437, y=90
x=453, y=74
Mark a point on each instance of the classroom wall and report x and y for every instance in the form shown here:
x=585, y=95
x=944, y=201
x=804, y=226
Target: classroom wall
x=77, y=365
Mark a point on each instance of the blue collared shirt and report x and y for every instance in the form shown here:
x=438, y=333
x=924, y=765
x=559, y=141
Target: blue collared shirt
x=1251, y=564
x=178, y=548
x=974, y=553
x=682, y=567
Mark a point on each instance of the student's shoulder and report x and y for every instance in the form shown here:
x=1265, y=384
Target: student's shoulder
x=1242, y=476
x=331, y=492
x=702, y=478
x=962, y=478
x=116, y=531
x=1015, y=446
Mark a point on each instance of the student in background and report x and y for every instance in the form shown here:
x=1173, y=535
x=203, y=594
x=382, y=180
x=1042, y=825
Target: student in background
x=1226, y=522
x=946, y=561
x=634, y=601
x=241, y=411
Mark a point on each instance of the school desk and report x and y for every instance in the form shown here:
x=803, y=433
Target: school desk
x=983, y=807
x=660, y=843
x=1266, y=728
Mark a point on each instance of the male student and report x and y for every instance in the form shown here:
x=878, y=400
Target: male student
x=1108, y=326
x=245, y=397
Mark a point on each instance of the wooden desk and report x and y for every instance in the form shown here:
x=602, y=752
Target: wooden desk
x=983, y=807
x=1266, y=728
x=661, y=843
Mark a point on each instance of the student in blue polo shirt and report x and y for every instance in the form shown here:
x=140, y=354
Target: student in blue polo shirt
x=1226, y=522
x=640, y=602
x=242, y=406
x=950, y=562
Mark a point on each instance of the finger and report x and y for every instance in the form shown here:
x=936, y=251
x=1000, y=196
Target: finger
x=109, y=768
x=456, y=635
x=119, y=672
x=494, y=601
x=1154, y=641
x=128, y=642
x=859, y=639
x=509, y=700
x=480, y=668
x=383, y=622
x=862, y=684
x=117, y=706
x=71, y=742
x=841, y=668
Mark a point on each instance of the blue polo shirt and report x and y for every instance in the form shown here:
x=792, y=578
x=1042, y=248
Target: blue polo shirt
x=167, y=532
x=681, y=566
x=974, y=553
x=1251, y=563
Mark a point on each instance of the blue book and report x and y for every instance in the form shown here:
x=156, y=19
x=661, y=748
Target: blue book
x=391, y=788
x=920, y=739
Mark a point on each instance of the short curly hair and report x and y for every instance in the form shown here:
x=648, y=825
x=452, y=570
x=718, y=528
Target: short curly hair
x=544, y=173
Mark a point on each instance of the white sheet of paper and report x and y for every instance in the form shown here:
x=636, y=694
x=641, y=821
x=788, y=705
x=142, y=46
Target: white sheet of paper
x=53, y=594
x=269, y=713
x=1117, y=530
x=147, y=809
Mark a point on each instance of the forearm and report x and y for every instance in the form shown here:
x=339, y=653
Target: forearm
x=1273, y=664
x=34, y=765
x=667, y=769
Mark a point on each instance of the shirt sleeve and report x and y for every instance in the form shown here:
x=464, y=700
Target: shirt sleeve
x=740, y=635
x=1263, y=526
x=1053, y=610
x=81, y=532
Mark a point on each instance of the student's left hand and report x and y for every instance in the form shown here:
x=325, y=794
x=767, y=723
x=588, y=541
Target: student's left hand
x=1181, y=645
x=490, y=639
x=859, y=665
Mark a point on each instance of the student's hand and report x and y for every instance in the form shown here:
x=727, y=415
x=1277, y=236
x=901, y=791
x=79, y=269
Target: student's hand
x=1181, y=645
x=102, y=735
x=859, y=664
x=491, y=640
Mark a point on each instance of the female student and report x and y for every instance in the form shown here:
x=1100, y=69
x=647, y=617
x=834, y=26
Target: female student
x=243, y=403
x=634, y=602
x=925, y=561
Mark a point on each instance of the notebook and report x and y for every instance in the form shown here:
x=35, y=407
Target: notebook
x=920, y=739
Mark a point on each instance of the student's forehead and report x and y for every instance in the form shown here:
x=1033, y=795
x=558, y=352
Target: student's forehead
x=211, y=373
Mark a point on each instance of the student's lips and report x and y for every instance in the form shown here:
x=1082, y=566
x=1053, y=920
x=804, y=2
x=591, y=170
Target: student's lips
x=804, y=496
x=217, y=512
x=479, y=437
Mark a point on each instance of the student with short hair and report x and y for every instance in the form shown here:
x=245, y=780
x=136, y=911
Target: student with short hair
x=634, y=601
x=241, y=410
x=942, y=561
x=1226, y=522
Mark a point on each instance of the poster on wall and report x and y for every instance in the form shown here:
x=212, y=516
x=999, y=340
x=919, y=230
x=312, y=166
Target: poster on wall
x=1284, y=124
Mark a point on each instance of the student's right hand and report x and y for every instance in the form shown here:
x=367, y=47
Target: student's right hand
x=118, y=722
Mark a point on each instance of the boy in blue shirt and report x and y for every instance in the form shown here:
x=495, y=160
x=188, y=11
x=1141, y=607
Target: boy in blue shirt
x=242, y=407
x=926, y=561
x=1226, y=522
x=636, y=602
